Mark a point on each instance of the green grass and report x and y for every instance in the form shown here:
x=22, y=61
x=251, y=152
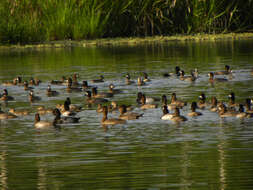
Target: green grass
x=28, y=21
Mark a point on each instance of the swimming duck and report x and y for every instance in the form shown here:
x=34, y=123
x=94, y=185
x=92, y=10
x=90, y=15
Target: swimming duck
x=101, y=79
x=95, y=94
x=34, y=81
x=85, y=85
x=112, y=89
x=70, y=88
x=14, y=82
x=26, y=86
x=5, y=96
x=177, y=117
x=226, y=72
x=148, y=99
x=62, y=120
x=243, y=114
x=66, y=111
x=128, y=115
x=202, y=101
x=4, y=115
x=248, y=106
x=128, y=79
x=18, y=112
x=176, y=73
x=165, y=103
x=212, y=79
x=43, y=124
x=166, y=114
x=75, y=82
x=140, y=81
x=146, y=78
x=146, y=106
x=42, y=110
x=193, y=112
x=32, y=97
x=187, y=78
x=231, y=103
x=223, y=112
x=111, y=121
x=63, y=81
x=51, y=92
x=176, y=102
x=91, y=100
x=214, y=104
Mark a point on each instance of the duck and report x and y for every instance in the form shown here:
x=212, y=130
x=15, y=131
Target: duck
x=63, y=81
x=66, y=111
x=99, y=108
x=193, y=112
x=14, y=82
x=166, y=114
x=75, y=82
x=73, y=107
x=43, y=124
x=42, y=110
x=91, y=100
x=5, y=96
x=4, y=115
x=18, y=112
x=85, y=85
x=146, y=106
x=202, y=101
x=226, y=72
x=128, y=79
x=243, y=114
x=231, y=104
x=128, y=115
x=95, y=94
x=176, y=102
x=176, y=73
x=101, y=79
x=177, y=117
x=27, y=87
x=140, y=81
x=34, y=81
x=32, y=97
x=223, y=112
x=62, y=120
x=148, y=99
x=51, y=92
x=212, y=79
x=165, y=103
x=248, y=106
x=146, y=78
x=111, y=121
x=112, y=89
x=214, y=104
x=70, y=88
x=187, y=78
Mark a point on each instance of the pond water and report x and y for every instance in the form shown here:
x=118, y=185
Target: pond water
x=201, y=153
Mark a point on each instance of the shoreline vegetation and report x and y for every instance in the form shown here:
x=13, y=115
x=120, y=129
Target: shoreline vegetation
x=130, y=41
x=78, y=22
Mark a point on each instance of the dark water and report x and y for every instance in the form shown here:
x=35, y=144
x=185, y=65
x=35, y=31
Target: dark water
x=202, y=153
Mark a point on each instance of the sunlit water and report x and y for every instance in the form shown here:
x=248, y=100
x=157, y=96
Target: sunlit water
x=202, y=153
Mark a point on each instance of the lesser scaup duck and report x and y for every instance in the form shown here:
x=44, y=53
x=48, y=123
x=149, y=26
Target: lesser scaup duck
x=176, y=73
x=214, y=104
x=66, y=111
x=18, y=112
x=176, y=102
x=146, y=78
x=166, y=114
x=62, y=120
x=70, y=88
x=4, y=115
x=177, y=117
x=202, y=101
x=193, y=112
x=112, y=89
x=148, y=99
x=128, y=115
x=146, y=106
x=226, y=72
x=32, y=97
x=223, y=112
x=43, y=124
x=5, y=96
x=243, y=114
x=187, y=78
x=111, y=121
x=91, y=100
x=101, y=79
x=95, y=94
x=27, y=87
x=231, y=103
x=212, y=79
x=128, y=79
x=34, y=81
x=51, y=92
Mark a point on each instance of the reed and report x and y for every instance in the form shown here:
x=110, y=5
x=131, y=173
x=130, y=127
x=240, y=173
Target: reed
x=26, y=21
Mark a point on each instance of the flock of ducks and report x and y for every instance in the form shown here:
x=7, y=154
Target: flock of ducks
x=66, y=112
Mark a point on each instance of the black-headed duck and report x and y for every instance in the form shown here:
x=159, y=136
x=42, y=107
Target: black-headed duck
x=51, y=92
x=243, y=114
x=144, y=105
x=128, y=79
x=91, y=100
x=212, y=79
x=43, y=124
x=176, y=102
x=32, y=97
x=202, y=101
x=95, y=94
x=177, y=117
x=18, y=112
x=176, y=73
x=166, y=114
x=128, y=115
x=101, y=79
x=193, y=112
x=5, y=96
x=66, y=119
x=111, y=121
x=214, y=104
x=226, y=72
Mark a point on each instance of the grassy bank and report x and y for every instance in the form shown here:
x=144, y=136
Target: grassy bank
x=26, y=21
x=131, y=41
